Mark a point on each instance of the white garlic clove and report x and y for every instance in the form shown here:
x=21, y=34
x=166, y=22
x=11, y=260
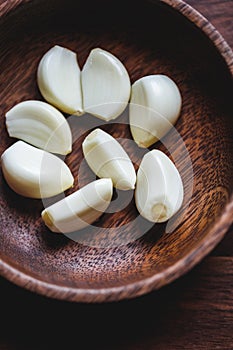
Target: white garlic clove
x=154, y=108
x=34, y=173
x=105, y=85
x=159, y=188
x=80, y=209
x=41, y=125
x=107, y=158
x=59, y=81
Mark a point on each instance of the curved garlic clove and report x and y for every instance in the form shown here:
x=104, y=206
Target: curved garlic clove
x=41, y=125
x=105, y=85
x=58, y=79
x=154, y=108
x=34, y=173
x=79, y=209
x=159, y=188
x=107, y=158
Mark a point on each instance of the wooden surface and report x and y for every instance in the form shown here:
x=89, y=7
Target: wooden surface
x=195, y=312
x=130, y=257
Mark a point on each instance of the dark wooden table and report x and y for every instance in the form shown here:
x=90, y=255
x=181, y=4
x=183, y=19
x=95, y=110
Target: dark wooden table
x=195, y=312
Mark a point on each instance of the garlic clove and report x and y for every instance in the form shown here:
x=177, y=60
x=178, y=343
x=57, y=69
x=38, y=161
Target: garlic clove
x=159, y=188
x=41, y=125
x=34, y=173
x=107, y=158
x=58, y=78
x=80, y=209
x=154, y=108
x=105, y=85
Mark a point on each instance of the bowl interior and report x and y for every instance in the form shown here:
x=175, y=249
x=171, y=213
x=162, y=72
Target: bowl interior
x=128, y=254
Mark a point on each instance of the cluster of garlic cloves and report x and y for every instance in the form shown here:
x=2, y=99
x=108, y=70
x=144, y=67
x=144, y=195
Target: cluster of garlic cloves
x=103, y=89
x=159, y=188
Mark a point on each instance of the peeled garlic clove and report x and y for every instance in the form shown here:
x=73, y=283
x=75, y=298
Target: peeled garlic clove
x=79, y=209
x=41, y=125
x=34, y=173
x=154, y=108
x=58, y=79
x=105, y=85
x=159, y=188
x=107, y=158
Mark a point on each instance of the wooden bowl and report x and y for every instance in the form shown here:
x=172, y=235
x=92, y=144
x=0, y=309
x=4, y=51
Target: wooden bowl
x=149, y=37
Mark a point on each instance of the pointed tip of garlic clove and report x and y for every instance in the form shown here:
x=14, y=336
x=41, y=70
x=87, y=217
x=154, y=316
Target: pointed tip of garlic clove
x=78, y=113
x=104, y=189
x=67, y=179
x=105, y=84
x=125, y=184
x=58, y=78
x=107, y=111
x=67, y=152
x=41, y=125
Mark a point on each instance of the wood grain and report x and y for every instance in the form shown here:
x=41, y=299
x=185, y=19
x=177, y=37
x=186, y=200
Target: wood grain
x=132, y=259
x=194, y=312
x=220, y=14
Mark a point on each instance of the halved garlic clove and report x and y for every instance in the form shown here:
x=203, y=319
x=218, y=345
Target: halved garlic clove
x=41, y=125
x=59, y=81
x=80, y=209
x=105, y=85
x=154, y=108
x=159, y=188
x=107, y=158
x=34, y=173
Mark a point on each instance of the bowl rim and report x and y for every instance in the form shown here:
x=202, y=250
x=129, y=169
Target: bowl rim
x=182, y=266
